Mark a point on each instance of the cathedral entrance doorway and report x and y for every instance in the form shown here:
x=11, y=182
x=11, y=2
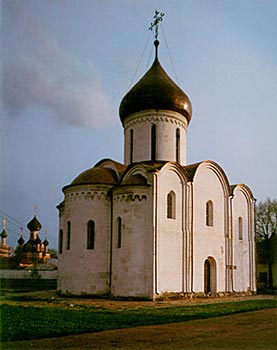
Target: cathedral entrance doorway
x=210, y=276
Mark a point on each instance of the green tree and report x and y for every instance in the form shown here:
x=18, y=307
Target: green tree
x=266, y=229
x=53, y=252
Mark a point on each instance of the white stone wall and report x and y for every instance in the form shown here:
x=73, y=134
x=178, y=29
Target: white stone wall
x=209, y=241
x=241, y=248
x=170, y=237
x=158, y=254
x=83, y=271
x=132, y=267
x=166, y=124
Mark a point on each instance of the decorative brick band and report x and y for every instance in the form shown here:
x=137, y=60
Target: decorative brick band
x=130, y=197
x=86, y=195
x=151, y=119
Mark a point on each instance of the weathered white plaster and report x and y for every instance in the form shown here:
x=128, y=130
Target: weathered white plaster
x=170, y=233
x=83, y=271
x=131, y=263
x=209, y=241
x=157, y=254
x=167, y=122
x=243, y=249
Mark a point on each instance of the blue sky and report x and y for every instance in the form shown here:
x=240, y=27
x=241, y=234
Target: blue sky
x=66, y=64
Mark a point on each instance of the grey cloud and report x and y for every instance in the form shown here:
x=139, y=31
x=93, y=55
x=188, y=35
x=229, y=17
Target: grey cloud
x=42, y=73
x=71, y=103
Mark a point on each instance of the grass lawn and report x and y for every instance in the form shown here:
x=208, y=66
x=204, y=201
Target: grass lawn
x=29, y=322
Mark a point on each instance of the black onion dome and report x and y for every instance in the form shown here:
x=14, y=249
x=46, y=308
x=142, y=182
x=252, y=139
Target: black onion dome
x=34, y=224
x=21, y=241
x=155, y=90
x=45, y=242
x=4, y=234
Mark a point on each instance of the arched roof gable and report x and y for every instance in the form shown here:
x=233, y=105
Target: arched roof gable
x=244, y=189
x=176, y=168
x=135, y=175
x=216, y=169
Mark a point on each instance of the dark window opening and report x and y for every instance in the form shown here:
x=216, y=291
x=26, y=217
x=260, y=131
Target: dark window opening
x=153, y=142
x=240, y=228
x=178, y=145
x=207, y=277
x=68, y=235
x=171, y=205
x=209, y=213
x=131, y=145
x=60, y=241
x=90, y=235
x=119, y=232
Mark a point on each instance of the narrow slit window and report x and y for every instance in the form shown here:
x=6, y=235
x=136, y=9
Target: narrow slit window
x=131, y=145
x=119, y=232
x=240, y=228
x=178, y=145
x=171, y=205
x=60, y=241
x=153, y=142
x=68, y=235
x=90, y=235
x=209, y=213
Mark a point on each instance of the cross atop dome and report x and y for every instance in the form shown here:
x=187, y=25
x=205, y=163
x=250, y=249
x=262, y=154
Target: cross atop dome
x=158, y=17
x=155, y=90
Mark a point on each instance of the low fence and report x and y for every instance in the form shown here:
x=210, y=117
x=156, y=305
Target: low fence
x=28, y=280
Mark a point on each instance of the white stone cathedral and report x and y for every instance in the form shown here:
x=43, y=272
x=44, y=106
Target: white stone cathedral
x=155, y=226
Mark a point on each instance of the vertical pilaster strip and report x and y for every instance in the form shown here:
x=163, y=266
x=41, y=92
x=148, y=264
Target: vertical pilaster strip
x=155, y=216
x=252, y=250
x=230, y=248
x=183, y=238
x=190, y=238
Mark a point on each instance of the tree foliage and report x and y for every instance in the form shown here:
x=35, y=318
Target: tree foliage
x=266, y=233
x=53, y=253
x=266, y=219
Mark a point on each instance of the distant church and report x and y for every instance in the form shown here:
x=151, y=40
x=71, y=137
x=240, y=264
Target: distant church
x=26, y=254
x=5, y=250
x=155, y=225
x=34, y=251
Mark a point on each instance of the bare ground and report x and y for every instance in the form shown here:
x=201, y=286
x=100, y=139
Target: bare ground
x=51, y=298
x=251, y=330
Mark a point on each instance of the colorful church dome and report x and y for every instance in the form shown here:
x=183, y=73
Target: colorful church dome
x=155, y=90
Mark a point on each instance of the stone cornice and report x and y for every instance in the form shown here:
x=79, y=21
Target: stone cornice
x=152, y=116
x=87, y=195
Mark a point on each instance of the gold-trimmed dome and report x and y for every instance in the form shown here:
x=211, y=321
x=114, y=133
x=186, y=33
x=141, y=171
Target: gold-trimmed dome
x=155, y=90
